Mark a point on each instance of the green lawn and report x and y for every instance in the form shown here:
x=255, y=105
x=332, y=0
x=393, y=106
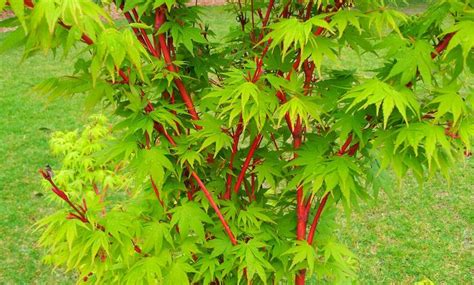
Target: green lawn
x=417, y=233
x=26, y=122
x=414, y=234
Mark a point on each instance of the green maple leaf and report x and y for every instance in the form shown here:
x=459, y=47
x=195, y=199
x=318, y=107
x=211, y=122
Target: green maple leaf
x=319, y=48
x=267, y=172
x=340, y=171
x=148, y=268
x=253, y=259
x=337, y=251
x=219, y=246
x=414, y=59
x=386, y=18
x=167, y=118
x=156, y=234
x=208, y=266
x=410, y=136
x=344, y=17
x=190, y=216
x=213, y=134
x=303, y=252
x=449, y=101
x=252, y=217
x=424, y=135
x=348, y=123
x=303, y=107
x=295, y=32
x=183, y=35
x=378, y=93
x=152, y=162
x=178, y=273
x=466, y=132
x=463, y=37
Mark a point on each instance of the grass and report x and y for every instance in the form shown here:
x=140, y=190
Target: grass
x=417, y=233
x=411, y=235
x=26, y=122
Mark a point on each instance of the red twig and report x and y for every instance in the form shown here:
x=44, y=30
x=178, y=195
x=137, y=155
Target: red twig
x=442, y=45
x=235, y=145
x=267, y=14
x=315, y=222
x=255, y=144
x=28, y=3
x=204, y=190
x=309, y=8
x=252, y=185
x=159, y=21
x=274, y=141
x=353, y=149
x=286, y=10
x=148, y=43
x=208, y=195
x=157, y=193
x=81, y=212
x=129, y=18
x=344, y=147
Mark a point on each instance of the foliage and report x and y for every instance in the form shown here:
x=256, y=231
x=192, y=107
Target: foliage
x=165, y=195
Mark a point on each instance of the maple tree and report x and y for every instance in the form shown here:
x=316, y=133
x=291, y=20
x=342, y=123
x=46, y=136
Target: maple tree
x=227, y=161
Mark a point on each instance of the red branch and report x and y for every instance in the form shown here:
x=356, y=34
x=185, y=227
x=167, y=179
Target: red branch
x=235, y=145
x=344, y=147
x=302, y=208
x=314, y=225
x=209, y=197
x=302, y=218
x=159, y=21
x=255, y=144
x=442, y=45
x=267, y=14
x=80, y=212
x=28, y=3
x=135, y=30
x=148, y=43
x=309, y=8
x=272, y=136
x=157, y=193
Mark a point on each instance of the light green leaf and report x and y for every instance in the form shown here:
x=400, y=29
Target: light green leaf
x=303, y=252
x=190, y=216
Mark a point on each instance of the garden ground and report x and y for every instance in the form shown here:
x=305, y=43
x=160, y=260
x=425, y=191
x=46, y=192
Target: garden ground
x=418, y=233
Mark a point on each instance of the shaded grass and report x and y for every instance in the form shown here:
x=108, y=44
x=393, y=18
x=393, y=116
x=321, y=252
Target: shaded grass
x=219, y=19
x=411, y=235
x=26, y=122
